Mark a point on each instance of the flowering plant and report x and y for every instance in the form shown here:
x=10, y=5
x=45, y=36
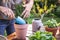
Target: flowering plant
x=41, y=7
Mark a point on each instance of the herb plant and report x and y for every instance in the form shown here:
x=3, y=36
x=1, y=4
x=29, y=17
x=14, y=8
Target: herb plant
x=42, y=36
x=51, y=23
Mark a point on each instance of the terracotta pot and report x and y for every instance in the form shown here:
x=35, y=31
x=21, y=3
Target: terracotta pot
x=21, y=31
x=3, y=38
x=53, y=30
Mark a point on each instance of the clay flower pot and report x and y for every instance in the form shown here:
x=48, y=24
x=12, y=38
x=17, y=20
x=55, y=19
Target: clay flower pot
x=21, y=31
x=53, y=30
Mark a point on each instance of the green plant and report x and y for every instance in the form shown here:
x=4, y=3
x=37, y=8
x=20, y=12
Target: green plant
x=58, y=24
x=18, y=9
x=40, y=8
x=42, y=36
x=51, y=23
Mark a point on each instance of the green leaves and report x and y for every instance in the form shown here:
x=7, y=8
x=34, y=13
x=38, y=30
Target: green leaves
x=41, y=36
x=51, y=23
x=18, y=10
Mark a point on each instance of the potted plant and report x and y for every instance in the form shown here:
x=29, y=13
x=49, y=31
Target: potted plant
x=20, y=24
x=51, y=26
x=42, y=36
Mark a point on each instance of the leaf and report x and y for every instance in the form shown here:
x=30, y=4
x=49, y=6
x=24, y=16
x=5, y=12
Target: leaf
x=18, y=10
x=41, y=36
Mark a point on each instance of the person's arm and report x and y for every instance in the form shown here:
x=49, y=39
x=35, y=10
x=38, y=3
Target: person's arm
x=7, y=12
x=27, y=10
x=31, y=1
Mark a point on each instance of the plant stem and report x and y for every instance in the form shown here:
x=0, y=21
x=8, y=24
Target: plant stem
x=42, y=16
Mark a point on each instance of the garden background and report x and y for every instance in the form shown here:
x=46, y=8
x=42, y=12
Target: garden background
x=55, y=14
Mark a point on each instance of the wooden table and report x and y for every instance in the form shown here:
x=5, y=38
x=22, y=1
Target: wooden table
x=29, y=32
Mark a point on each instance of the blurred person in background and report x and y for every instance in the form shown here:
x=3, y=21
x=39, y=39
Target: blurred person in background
x=6, y=7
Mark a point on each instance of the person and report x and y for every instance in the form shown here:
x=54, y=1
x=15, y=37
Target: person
x=6, y=8
x=28, y=6
x=6, y=20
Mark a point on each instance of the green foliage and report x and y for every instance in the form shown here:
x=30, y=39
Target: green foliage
x=57, y=11
x=41, y=7
x=52, y=2
x=58, y=24
x=18, y=10
x=42, y=36
x=51, y=23
x=54, y=13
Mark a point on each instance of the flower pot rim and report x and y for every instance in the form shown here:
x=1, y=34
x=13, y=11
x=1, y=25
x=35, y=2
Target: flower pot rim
x=21, y=24
x=50, y=27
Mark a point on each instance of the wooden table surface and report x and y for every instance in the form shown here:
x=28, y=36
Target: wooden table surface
x=29, y=32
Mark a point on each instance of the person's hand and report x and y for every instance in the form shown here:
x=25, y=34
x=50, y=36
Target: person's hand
x=26, y=12
x=7, y=12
